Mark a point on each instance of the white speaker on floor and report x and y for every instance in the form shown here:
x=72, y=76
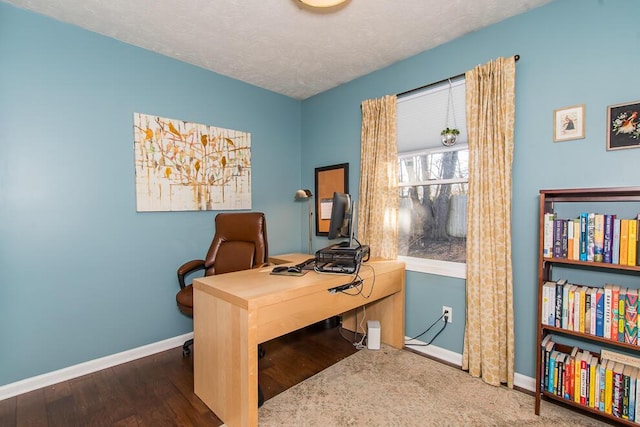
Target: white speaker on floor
x=373, y=335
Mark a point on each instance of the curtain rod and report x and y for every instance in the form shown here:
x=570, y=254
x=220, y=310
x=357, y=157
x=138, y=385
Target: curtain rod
x=516, y=57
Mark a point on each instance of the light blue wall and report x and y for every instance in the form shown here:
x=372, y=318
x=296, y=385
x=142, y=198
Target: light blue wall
x=573, y=52
x=82, y=275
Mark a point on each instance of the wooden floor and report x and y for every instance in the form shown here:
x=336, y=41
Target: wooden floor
x=158, y=390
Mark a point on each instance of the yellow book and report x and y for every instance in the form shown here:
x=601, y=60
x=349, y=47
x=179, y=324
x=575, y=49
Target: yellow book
x=592, y=381
x=624, y=241
x=632, y=241
x=576, y=376
x=583, y=291
x=608, y=387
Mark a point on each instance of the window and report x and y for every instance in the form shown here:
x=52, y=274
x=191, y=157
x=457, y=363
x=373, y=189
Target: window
x=433, y=182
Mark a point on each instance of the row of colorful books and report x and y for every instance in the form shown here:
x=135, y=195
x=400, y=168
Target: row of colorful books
x=608, y=383
x=609, y=312
x=592, y=237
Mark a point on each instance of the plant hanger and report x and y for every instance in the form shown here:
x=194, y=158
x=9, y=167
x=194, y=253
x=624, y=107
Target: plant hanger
x=449, y=135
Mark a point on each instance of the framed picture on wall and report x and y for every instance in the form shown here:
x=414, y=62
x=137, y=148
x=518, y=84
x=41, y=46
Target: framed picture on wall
x=329, y=179
x=568, y=123
x=623, y=126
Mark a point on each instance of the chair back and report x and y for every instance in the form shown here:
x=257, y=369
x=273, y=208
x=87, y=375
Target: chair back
x=239, y=243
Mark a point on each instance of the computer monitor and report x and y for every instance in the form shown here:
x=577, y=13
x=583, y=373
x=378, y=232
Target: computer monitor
x=342, y=219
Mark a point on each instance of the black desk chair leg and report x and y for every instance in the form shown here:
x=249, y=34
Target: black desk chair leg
x=185, y=347
x=260, y=396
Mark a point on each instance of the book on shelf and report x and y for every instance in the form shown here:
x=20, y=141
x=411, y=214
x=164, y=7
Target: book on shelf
x=631, y=317
x=632, y=241
x=608, y=238
x=624, y=241
x=583, y=235
x=570, y=307
x=615, y=244
x=599, y=312
x=548, y=303
x=570, y=239
x=565, y=304
x=578, y=304
x=553, y=373
x=591, y=227
x=560, y=367
x=576, y=239
x=598, y=237
x=547, y=247
x=622, y=297
x=602, y=368
x=558, y=302
x=626, y=387
x=638, y=239
x=608, y=309
x=608, y=402
x=582, y=308
x=579, y=377
x=615, y=305
x=617, y=389
x=557, y=238
x=592, y=310
x=593, y=364
x=547, y=348
x=632, y=394
x=587, y=311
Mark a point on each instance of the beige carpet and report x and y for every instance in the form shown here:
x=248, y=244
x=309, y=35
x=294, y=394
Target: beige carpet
x=390, y=387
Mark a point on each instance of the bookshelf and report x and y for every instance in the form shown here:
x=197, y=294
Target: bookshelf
x=578, y=334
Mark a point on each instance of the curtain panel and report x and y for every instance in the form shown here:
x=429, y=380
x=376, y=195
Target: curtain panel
x=489, y=335
x=378, y=207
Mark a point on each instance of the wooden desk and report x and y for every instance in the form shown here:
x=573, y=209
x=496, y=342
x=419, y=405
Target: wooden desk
x=234, y=312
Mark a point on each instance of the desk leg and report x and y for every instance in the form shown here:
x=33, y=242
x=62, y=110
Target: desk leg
x=226, y=360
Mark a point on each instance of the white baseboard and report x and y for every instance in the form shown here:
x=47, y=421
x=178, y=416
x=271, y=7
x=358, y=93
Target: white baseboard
x=519, y=380
x=65, y=374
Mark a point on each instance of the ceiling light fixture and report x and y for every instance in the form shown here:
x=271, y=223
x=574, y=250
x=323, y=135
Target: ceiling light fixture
x=321, y=3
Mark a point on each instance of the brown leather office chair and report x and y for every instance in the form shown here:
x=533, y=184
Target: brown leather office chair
x=239, y=243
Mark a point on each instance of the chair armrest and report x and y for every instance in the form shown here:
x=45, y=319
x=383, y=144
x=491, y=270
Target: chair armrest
x=187, y=268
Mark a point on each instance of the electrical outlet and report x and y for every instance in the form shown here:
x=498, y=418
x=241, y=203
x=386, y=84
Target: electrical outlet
x=449, y=312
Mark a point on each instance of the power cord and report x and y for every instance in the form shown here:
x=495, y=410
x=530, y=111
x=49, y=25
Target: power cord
x=445, y=315
x=359, y=345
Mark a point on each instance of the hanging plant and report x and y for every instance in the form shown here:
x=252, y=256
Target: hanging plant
x=452, y=131
x=449, y=135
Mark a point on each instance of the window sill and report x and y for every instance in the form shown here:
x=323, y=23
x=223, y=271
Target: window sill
x=440, y=268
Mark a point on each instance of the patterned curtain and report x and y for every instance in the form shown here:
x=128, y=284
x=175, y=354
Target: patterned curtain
x=378, y=207
x=488, y=339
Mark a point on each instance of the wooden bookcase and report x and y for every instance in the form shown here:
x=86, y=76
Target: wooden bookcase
x=569, y=203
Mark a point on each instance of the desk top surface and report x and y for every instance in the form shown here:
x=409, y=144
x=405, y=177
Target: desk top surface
x=258, y=287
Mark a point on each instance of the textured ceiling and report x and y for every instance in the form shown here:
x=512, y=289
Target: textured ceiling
x=278, y=44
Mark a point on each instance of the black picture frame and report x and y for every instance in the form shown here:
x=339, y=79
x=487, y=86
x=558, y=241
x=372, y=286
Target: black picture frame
x=623, y=126
x=329, y=179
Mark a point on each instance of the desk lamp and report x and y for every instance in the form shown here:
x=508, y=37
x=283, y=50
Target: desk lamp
x=302, y=195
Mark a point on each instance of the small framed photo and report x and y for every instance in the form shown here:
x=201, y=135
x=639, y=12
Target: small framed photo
x=568, y=123
x=623, y=126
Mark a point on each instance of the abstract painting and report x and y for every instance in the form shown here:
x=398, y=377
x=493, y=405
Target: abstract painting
x=184, y=166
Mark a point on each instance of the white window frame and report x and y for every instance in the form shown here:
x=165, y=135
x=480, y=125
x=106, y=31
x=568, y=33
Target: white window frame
x=433, y=266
